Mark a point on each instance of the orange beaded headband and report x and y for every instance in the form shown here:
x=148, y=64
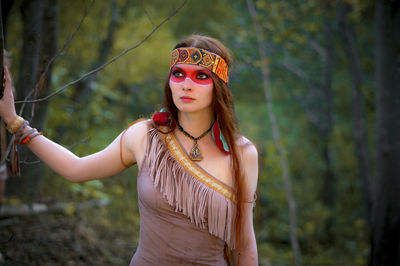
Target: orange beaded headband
x=200, y=57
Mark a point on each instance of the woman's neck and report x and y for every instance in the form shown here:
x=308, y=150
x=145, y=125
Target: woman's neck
x=196, y=123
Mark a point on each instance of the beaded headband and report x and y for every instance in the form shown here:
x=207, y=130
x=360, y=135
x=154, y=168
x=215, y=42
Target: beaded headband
x=200, y=57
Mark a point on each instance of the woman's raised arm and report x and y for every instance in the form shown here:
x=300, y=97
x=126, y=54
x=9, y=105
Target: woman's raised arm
x=98, y=165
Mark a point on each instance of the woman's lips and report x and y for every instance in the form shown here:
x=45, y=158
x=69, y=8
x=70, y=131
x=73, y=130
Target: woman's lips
x=187, y=99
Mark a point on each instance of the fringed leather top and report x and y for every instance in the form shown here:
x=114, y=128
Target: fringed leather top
x=186, y=215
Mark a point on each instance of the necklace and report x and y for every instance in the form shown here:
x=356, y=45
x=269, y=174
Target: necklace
x=195, y=153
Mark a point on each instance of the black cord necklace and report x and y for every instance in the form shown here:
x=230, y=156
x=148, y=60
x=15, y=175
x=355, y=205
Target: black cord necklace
x=195, y=153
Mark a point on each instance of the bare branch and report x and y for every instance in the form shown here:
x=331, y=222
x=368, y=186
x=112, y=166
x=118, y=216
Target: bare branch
x=296, y=70
x=8, y=150
x=147, y=14
x=58, y=91
x=38, y=208
x=318, y=48
x=90, y=72
x=61, y=52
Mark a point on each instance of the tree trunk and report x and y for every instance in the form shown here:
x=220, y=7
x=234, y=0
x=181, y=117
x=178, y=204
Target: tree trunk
x=325, y=127
x=84, y=88
x=48, y=49
x=32, y=14
x=275, y=133
x=317, y=103
x=385, y=242
x=40, y=17
x=348, y=36
x=5, y=10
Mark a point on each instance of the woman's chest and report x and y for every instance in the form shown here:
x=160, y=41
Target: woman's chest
x=214, y=162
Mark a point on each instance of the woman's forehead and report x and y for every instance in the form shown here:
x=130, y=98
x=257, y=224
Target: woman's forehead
x=189, y=67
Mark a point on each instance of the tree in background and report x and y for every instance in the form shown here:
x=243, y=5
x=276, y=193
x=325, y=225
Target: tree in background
x=348, y=36
x=318, y=54
x=385, y=243
x=40, y=17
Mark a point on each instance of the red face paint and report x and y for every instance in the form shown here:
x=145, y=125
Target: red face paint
x=197, y=74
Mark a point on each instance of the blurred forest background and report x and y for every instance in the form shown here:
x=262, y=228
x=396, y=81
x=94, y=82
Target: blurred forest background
x=316, y=85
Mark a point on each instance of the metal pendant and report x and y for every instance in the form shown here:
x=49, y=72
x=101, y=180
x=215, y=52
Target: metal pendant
x=195, y=153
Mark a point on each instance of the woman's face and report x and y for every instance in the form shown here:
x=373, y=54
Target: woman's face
x=191, y=87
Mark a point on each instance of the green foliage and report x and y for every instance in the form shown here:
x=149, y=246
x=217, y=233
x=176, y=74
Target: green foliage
x=132, y=87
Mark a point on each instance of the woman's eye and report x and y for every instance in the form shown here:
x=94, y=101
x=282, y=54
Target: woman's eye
x=203, y=76
x=178, y=74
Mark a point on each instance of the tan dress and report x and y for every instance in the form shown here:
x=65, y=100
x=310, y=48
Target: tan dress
x=186, y=215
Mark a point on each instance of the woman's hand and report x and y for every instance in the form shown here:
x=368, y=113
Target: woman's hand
x=7, y=107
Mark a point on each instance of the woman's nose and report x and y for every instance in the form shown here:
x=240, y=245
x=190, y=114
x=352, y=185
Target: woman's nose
x=187, y=84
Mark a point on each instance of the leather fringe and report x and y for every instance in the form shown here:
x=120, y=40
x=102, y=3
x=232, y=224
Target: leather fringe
x=205, y=207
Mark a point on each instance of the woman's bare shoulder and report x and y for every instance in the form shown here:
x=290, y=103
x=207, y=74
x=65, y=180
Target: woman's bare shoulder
x=135, y=134
x=134, y=141
x=249, y=157
x=138, y=127
x=247, y=148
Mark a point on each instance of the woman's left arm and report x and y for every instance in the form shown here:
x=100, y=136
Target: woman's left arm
x=245, y=252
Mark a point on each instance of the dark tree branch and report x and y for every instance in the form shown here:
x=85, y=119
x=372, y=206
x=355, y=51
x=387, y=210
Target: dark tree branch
x=59, y=207
x=147, y=14
x=296, y=71
x=348, y=37
x=58, y=91
x=319, y=49
x=61, y=52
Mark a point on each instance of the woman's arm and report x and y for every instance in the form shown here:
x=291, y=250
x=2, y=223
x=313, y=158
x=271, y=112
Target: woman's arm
x=99, y=165
x=95, y=166
x=245, y=253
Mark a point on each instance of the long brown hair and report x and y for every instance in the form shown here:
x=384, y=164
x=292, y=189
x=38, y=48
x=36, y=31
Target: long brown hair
x=222, y=103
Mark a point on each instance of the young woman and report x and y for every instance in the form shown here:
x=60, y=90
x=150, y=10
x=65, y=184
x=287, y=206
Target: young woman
x=197, y=176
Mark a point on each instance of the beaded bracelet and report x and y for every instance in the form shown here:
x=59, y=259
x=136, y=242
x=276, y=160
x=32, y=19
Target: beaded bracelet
x=29, y=138
x=15, y=124
x=25, y=137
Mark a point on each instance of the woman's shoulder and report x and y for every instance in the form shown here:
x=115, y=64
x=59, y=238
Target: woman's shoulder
x=140, y=125
x=248, y=153
x=249, y=156
x=137, y=130
x=246, y=147
x=134, y=139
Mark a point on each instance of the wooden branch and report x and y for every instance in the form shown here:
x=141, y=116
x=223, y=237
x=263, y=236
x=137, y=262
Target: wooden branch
x=296, y=71
x=95, y=70
x=360, y=132
x=318, y=48
x=58, y=91
x=39, y=208
x=147, y=14
x=60, y=52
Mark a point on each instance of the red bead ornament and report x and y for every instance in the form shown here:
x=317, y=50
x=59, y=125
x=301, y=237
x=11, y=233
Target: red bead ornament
x=162, y=118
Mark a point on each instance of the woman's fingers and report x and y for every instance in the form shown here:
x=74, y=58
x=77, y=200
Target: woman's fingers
x=4, y=80
x=8, y=81
x=7, y=108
